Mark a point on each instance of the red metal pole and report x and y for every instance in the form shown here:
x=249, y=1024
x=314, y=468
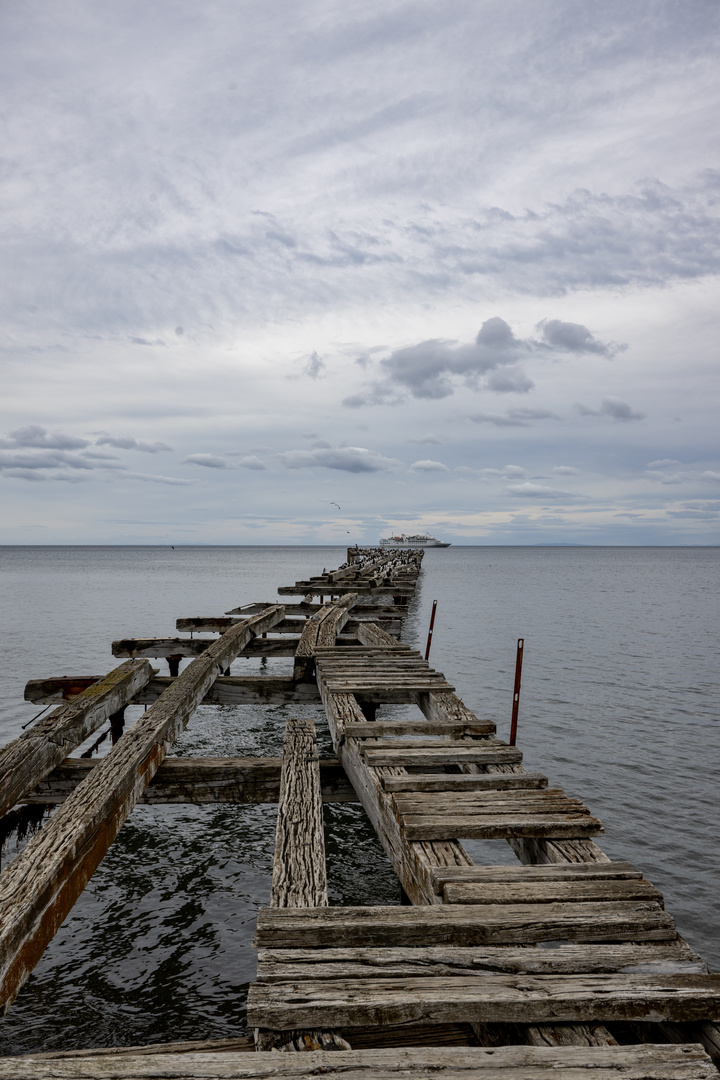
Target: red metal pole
x=516, y=691
x=432, y=623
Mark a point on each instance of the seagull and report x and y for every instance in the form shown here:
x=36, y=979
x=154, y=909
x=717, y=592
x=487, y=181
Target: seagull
x=334, y=504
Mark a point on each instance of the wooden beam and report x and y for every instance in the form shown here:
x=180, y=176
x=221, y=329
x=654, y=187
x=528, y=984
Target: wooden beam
x=299, y=878
x=26, y=760
x=455, y=924
x=200, y=780
x=485, y=999
x=39, y=888
x=651, y=1062
x=660, y=958
x=226, y=690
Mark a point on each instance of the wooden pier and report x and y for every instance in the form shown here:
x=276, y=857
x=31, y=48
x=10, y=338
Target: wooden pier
x=565, y=965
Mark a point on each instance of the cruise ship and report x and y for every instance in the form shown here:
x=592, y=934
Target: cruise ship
x=420, y=540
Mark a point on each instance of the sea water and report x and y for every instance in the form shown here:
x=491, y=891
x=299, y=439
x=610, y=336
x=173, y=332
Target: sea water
x=618, y=706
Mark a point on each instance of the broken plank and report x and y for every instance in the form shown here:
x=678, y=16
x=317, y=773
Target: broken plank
x=451, y=924
x=497, y=998
x=38, y=889
x=26, y=760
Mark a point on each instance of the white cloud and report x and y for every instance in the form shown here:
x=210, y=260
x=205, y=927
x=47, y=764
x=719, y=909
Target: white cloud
x=353, y=459
x=428, y=466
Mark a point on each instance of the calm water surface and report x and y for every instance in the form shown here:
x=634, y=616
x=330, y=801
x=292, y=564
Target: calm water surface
x=619, y=706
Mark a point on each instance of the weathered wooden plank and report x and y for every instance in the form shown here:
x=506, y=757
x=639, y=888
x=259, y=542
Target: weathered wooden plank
x=299, y=877
x=546, y=892
x=455, y=755
x=26, y=760
x=186, y=647
x=379, y=728
x=242, y=690
x=499, y=826
x=557, y=872
x=462, y=801
x=659, y=957
x=200, y=780
x=649, y=1062
x=455, y=924
x=227, y=690
x=482, y=999
x=41, y=885
x=450, y=782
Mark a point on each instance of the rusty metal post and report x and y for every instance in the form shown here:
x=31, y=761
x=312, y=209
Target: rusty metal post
x=430, y=631
x=516, y=690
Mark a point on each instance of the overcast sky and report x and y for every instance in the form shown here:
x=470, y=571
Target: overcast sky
x=311, y=272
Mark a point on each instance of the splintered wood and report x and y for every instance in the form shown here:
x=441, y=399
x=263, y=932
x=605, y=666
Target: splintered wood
x=461, y=982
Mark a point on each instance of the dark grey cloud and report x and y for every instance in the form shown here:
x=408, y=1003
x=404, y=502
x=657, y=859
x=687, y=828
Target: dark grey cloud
x=518, y=417
x=575, y=338
x=491, y=362
x=207, y=461
x=353, y=459
x=216, y=461
x=529, y=490
x=34, y=435
x=129, y=443
x=315, y=366
x=425, y=369
x=614, y=408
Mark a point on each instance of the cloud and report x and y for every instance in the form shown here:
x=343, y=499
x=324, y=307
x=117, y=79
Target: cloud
x=251, y=461
x=613, y=407
x=425, y=369
x=315, y=366
x=662, y=463
x=43, y=459
x=428, y=466
x=151, y=478
x=354, y=459
x=127, y=442
x=491, y=362
x=575, y=338
x=430, y=440
x=512, y=417
x=565, y=470
x=538, y=491
x=208, y=461
x=34, y=435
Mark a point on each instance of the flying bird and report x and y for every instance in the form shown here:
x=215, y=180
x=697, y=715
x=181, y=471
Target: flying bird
x=334, y=504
